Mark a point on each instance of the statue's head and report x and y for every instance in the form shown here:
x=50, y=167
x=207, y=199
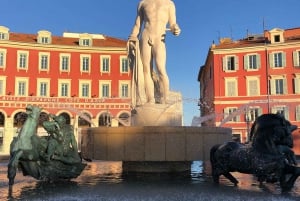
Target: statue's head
x=273, y=127
x=33, y=111
x=60, y=120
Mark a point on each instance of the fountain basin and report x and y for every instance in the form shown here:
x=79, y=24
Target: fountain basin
x=157, y=146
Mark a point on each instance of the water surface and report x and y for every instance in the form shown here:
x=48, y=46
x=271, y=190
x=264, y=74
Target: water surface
x=104, y=181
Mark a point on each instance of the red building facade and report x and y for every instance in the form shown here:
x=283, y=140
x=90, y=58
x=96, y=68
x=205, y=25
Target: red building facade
x=245, y=78
x=85, y=77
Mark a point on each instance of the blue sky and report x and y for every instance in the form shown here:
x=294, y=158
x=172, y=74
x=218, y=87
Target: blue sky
x=201, y=22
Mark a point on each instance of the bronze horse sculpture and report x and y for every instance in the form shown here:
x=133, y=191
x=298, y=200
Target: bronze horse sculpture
x=268, y=155
x=29, y=152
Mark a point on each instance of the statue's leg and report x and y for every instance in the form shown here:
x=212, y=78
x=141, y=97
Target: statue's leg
x=13, y=165
x=229, y=176
x=287, y=184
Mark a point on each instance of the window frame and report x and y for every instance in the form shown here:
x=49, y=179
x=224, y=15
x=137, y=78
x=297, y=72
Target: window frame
x=62, y=63
x=21, y=64
x=41, y=81
x=230, y=63
x=229, y=80
x=124, y=64
x=103, y=83
x=3, y=58
x=42, y=62
x=62, y=90
x=85, y=63
x=105, y=67
x=249, y=64
x=21, y=90
x=249, y=86
x=123, y=83
x=2, y=85
x=82, y=90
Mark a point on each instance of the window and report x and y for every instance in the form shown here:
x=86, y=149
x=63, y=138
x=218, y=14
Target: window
x=4, y=33
x=85, y=39
x=22, y=60
x=86, y=42
x=44, y=61
x=296, y=58
x=230, y=63
x=84, y=88
x=278, y=85
x=44, y=37
x=105, y=89
x=105, y=64
x=277, y=38
x=21, y=86
x=124, y=89
x=231, y=113
x=85, y=63
x=253, y=113
x=282, y=110
x=253, y=86
x=231, y=87
x=45, y=40
x=252, y=62
x=2, y=85
x=43, y=87
x=2, y=36
x=277, y=60
x=2, y=58
x=65, y=62
x=64, y=88
x=124, y=65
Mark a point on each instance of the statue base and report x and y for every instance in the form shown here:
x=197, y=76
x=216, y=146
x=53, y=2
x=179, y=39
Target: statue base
x=150, y=114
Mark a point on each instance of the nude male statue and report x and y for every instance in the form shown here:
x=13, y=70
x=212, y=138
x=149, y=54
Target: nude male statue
x=155, y=15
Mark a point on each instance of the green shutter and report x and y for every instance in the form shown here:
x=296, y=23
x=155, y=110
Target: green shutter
x=298, y=113
x=297, y=83
x=283, y=59
x=224, y=63
x=258, y=61
x=296, y=58
x=272, y=85
x=285, y=89
x=271, y=60
x=246, y=62
x=236, y=62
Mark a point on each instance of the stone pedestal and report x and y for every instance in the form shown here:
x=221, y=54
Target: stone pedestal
x=169, y=114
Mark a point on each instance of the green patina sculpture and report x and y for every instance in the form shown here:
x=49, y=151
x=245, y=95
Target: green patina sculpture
x=45, y=158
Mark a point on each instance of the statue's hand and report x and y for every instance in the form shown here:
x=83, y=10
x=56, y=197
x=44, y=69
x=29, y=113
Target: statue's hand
x=175, y=29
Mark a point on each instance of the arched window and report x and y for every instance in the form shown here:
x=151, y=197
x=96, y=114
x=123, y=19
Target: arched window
x=105, y=119
x=19, y=119
x=67, y=117
x=84, y=120
x=124, y=119
x=2, y=119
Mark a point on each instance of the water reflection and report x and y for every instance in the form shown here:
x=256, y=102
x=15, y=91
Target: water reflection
x=104, y=181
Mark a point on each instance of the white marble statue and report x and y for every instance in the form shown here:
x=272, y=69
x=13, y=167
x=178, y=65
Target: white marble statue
x=147, y=48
